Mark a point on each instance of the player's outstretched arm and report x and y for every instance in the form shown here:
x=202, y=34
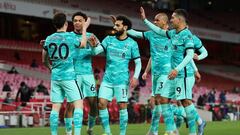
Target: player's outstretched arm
x=155, y=28
x=134, y=33
x=84, y=33
x=144, y=76
x=138, y=66
x=142, y=13
x=151, y=25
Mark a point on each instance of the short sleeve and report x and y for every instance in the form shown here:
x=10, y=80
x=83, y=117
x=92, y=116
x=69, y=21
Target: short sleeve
x=188, y=41
x=197, y=43
x=147, y=35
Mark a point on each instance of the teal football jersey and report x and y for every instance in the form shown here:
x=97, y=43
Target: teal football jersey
x=197, y=42
x=118, y=54
x=181, y=41
x=83, y=57
x=161, y=53
x=61, y=48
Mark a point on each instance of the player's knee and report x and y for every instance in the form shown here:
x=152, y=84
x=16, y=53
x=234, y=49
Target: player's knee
x=164, y=100
x=122, y=106
x=70, y=107
x=92, y=103
x=102, y=105
x=69, y=110
x=157, y=100
x=186, y=102
x=56, y=107
x=93, y=109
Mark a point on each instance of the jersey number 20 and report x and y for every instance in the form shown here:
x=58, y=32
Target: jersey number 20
x=59, y=50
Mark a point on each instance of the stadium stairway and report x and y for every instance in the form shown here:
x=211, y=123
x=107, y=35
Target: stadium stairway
x=226, y=71
x=26, y=72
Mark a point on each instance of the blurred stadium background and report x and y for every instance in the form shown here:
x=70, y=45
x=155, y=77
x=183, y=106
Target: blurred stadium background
x=23, y=23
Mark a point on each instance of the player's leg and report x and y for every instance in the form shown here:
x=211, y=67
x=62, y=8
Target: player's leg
x=68, y=118
x=201, y=127
x=90, y=93
x=167, y=92
x=156, y=112
x=184, y=94
x=180, y=114
x=105, y=95
x=191, y=115
x=75, y=95
x=121, y=94
x=181, y=117
x=201, y=123
x=54, y=115
x=92, y=114
x=57, y=97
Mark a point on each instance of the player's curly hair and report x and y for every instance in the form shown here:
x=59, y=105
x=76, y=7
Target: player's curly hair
x=79, y=14
x=125, y=20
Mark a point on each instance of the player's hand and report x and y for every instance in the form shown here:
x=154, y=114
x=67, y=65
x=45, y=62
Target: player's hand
x=87, y=23
x=144, y=76
x=142, y=13
x=195, y=57
x=173, y=74
x=197, y=76
x=113, y=19
x=42, y=42
x=93, y=41
x=133, y=82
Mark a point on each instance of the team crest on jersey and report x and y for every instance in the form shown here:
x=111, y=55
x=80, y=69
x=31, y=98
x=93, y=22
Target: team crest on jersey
x=189, y=36
x=166, y=48
x=125, y=46
x=123, y=55
x=174, y=47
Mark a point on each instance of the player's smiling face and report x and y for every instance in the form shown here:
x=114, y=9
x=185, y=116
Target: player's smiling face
x=78, y=22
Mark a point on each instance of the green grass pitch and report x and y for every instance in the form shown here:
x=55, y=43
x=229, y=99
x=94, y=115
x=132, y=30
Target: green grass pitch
x=212, y=128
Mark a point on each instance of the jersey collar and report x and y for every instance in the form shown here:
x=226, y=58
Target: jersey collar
x=121, y=39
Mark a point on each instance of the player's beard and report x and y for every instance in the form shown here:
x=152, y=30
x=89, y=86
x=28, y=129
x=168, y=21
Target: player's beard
x=119, y=33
